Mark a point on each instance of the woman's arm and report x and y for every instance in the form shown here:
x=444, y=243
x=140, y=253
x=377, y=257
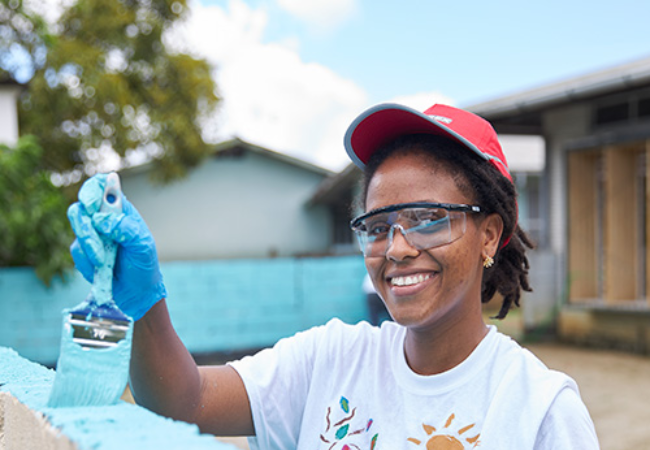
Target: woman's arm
x=164, y=377
x=166, y=380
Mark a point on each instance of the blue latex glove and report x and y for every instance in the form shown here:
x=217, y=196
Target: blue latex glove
x=137, y=281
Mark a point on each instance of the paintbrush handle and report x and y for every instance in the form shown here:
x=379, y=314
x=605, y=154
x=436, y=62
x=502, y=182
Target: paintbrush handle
x=102, y=289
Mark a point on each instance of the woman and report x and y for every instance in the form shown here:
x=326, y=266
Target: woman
x=439, y=237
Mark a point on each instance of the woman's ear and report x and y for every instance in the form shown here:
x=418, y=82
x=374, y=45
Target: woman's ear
x=493, y=229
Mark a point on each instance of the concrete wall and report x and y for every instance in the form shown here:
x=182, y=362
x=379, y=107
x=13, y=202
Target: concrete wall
x=219, y=305
x=540, y=307
x=624, y=326
x=625, y=329
x=23, y=428
x=252, y=206
x=27, y=423
x=561, y=126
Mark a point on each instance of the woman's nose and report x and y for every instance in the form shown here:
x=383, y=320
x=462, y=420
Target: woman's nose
x=398, y=247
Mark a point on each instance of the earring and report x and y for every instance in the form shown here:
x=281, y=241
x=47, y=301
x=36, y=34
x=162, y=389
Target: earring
x=488, y=262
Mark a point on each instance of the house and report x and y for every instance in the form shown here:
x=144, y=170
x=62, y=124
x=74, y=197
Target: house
x=9, y=92
x=339, y=194
x=240, y=245
x=244, y=201
x=594, y=196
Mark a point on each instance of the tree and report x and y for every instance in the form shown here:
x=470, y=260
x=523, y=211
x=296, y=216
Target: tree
x=100, y=81
x=33, y=223
x=23, y=41
x=110, y=84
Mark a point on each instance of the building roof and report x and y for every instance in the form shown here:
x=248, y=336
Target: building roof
x=236, y=147
x=528, y=104
x=7, y=81
x=335, y=187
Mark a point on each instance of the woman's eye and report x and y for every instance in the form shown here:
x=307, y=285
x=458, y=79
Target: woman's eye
x=430, y=216
x=376, y=229
x=430, y=226
x=430, y=220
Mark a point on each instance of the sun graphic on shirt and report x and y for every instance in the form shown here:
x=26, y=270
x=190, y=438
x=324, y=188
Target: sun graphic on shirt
x=448, y=438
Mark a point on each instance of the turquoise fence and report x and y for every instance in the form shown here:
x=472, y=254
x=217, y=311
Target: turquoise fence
x=216, y=306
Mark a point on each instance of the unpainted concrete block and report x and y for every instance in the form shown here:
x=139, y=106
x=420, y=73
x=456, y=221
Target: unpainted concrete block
x=24, y=429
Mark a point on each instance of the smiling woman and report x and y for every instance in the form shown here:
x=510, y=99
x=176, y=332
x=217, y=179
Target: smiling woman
x=439, y=236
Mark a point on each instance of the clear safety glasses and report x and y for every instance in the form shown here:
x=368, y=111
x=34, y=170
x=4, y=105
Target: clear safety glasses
x=423, y=225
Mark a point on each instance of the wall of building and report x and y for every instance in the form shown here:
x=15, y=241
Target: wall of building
x=560, y=127
x=601, y=299
x=253, y=206
x=8, y=114
x=216, y=306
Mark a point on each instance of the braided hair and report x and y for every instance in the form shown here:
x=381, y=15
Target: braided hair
x=493, y=192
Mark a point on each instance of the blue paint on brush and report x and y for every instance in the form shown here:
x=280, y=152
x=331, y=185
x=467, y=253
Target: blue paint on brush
x=93, y=364
x=90, y=376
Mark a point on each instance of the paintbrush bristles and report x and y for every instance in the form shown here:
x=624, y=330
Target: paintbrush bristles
x=90, y=377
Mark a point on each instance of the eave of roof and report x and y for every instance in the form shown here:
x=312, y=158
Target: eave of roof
x=625, y=76
x=237, y=142
x=333, y=187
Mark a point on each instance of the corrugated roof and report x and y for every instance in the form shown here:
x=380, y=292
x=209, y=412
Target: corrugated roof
x=624, y=76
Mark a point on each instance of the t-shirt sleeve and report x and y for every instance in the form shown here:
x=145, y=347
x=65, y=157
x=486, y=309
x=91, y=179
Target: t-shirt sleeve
x=277, y=381
x=567, y=425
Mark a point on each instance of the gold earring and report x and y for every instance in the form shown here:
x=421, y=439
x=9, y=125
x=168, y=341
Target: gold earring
x=488, y=262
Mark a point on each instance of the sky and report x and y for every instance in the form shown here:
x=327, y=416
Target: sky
x=294, y=73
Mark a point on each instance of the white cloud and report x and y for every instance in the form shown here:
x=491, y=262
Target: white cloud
x=321, y=14
x=423, y=100
x=270, y=96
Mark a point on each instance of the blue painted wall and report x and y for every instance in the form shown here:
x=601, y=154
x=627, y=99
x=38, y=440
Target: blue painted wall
x=219, y=305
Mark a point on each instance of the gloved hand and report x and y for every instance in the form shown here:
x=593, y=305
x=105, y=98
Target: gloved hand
x=137, y=281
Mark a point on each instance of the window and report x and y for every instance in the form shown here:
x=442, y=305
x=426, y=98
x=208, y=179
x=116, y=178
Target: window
x=622, y=108
x=619, y=112
x=608, y=228
x=644, y=107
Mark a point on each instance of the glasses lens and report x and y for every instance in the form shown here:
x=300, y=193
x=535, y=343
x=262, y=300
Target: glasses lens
x=423, y=228
x=372, y=234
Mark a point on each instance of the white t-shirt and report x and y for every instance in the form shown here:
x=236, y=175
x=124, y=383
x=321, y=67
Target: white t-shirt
x=345, y=387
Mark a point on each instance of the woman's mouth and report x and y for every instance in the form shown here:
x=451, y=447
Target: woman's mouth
x=409, y=280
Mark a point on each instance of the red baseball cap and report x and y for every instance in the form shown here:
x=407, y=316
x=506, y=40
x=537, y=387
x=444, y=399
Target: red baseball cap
x=383, y=123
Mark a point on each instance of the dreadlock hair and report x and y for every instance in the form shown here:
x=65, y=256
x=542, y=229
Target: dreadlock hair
x=494, y=193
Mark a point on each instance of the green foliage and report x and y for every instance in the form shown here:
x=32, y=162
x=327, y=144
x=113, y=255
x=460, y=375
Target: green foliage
x=110, y=82
x=23, y=41
x=100, y=79
x=33, y=222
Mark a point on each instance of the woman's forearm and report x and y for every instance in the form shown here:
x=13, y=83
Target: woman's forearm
x=164, y=376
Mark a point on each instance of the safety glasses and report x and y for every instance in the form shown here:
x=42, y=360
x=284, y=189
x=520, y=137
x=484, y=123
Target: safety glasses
x=423, y=225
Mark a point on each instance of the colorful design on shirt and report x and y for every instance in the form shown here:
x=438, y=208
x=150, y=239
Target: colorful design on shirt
x=345, y=405
x=344, y=432
x=445, y=440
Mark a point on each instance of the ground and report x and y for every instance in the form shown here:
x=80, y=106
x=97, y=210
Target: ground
x=615, y=387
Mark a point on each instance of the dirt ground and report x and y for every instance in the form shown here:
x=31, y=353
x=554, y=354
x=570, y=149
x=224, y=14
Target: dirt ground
x=615, y=386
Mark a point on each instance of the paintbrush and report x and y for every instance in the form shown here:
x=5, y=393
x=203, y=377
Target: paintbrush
x=93, y=364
